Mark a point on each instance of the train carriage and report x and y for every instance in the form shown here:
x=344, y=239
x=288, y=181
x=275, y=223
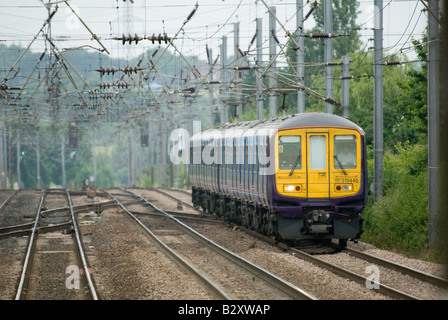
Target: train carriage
x=296, y=177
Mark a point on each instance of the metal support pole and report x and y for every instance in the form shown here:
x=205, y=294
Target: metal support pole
x=130, y=160
x=64, y=182
x=38, y=159
x=272, y=55
x=260, y=101
x=300, y=58
x=19, y=180
x=2, y=153
x=10, y=157
x=328, y=26
x=433, y=118
x=224, y=97
x=345, y=86
x=238, y=57
x=378, y=92
x=94, y=160
x=210, y=92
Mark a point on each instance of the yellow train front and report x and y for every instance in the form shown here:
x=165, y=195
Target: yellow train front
x=296, y=177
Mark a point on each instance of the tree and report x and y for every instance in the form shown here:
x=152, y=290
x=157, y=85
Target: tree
x=345, y=14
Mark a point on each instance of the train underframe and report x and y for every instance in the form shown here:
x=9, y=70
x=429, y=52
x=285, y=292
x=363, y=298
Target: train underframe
x=319, y=223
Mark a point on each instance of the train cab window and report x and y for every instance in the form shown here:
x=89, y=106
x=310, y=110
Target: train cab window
x=318, y=152
x=345, y=152
x=289, y=152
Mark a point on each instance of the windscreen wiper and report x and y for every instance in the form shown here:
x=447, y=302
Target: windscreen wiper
x=295, y=164
x=340, y=165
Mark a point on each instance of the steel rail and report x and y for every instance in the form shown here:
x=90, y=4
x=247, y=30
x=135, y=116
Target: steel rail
x=82, y=255
x=215, y=288
x=8, y=199
x=29, y=251
x=266, y=275
x=185, y=216
x=174, y=198
x=176, y=190
x=426, y=277
x=20, y=230
x=384, y=289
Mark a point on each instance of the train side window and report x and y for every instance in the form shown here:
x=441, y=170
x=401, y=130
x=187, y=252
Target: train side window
x=345, y=152
x=289, y=152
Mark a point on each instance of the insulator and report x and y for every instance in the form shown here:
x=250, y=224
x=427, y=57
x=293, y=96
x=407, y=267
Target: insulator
x=243, y=68
x=3, y=86
x=192, y=12
x=253, y=38
x=323, y=35
x=392, y=63
x=239, y=50
x=275, y=37
x=159, y=38
x=311, y=10
x=208, y=54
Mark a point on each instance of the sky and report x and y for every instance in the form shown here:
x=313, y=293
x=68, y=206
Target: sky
x=20, y=21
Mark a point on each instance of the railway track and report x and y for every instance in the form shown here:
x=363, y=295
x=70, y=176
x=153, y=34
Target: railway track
x=423, y=276
x=327, y=261
x=389, y=270
x=54, y=239
x=50, y=252
x=231, y=274
x=182, y=198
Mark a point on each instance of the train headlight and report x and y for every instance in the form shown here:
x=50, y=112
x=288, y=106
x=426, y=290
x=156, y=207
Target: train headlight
x=292, y=188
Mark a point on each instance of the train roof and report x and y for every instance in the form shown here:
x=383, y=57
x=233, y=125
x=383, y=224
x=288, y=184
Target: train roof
x=302, y=120
x=314, y=119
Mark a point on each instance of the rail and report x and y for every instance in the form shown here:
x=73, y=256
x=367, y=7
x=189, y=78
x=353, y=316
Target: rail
x=218, y=292
x=272, y=279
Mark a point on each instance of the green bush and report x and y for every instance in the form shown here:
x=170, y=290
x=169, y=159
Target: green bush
x=399, y=220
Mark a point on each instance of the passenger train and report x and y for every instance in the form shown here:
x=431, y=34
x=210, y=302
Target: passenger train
x=296, y=177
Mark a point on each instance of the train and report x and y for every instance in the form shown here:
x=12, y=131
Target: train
x=296, y=177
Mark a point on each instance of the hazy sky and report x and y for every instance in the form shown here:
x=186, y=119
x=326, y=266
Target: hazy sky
x=20, y=21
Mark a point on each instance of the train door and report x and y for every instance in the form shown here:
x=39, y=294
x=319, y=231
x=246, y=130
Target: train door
x=318, y=173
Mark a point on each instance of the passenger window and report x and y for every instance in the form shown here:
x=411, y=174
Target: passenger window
x=318, y=153
x=289, y=152
x=345, y=152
